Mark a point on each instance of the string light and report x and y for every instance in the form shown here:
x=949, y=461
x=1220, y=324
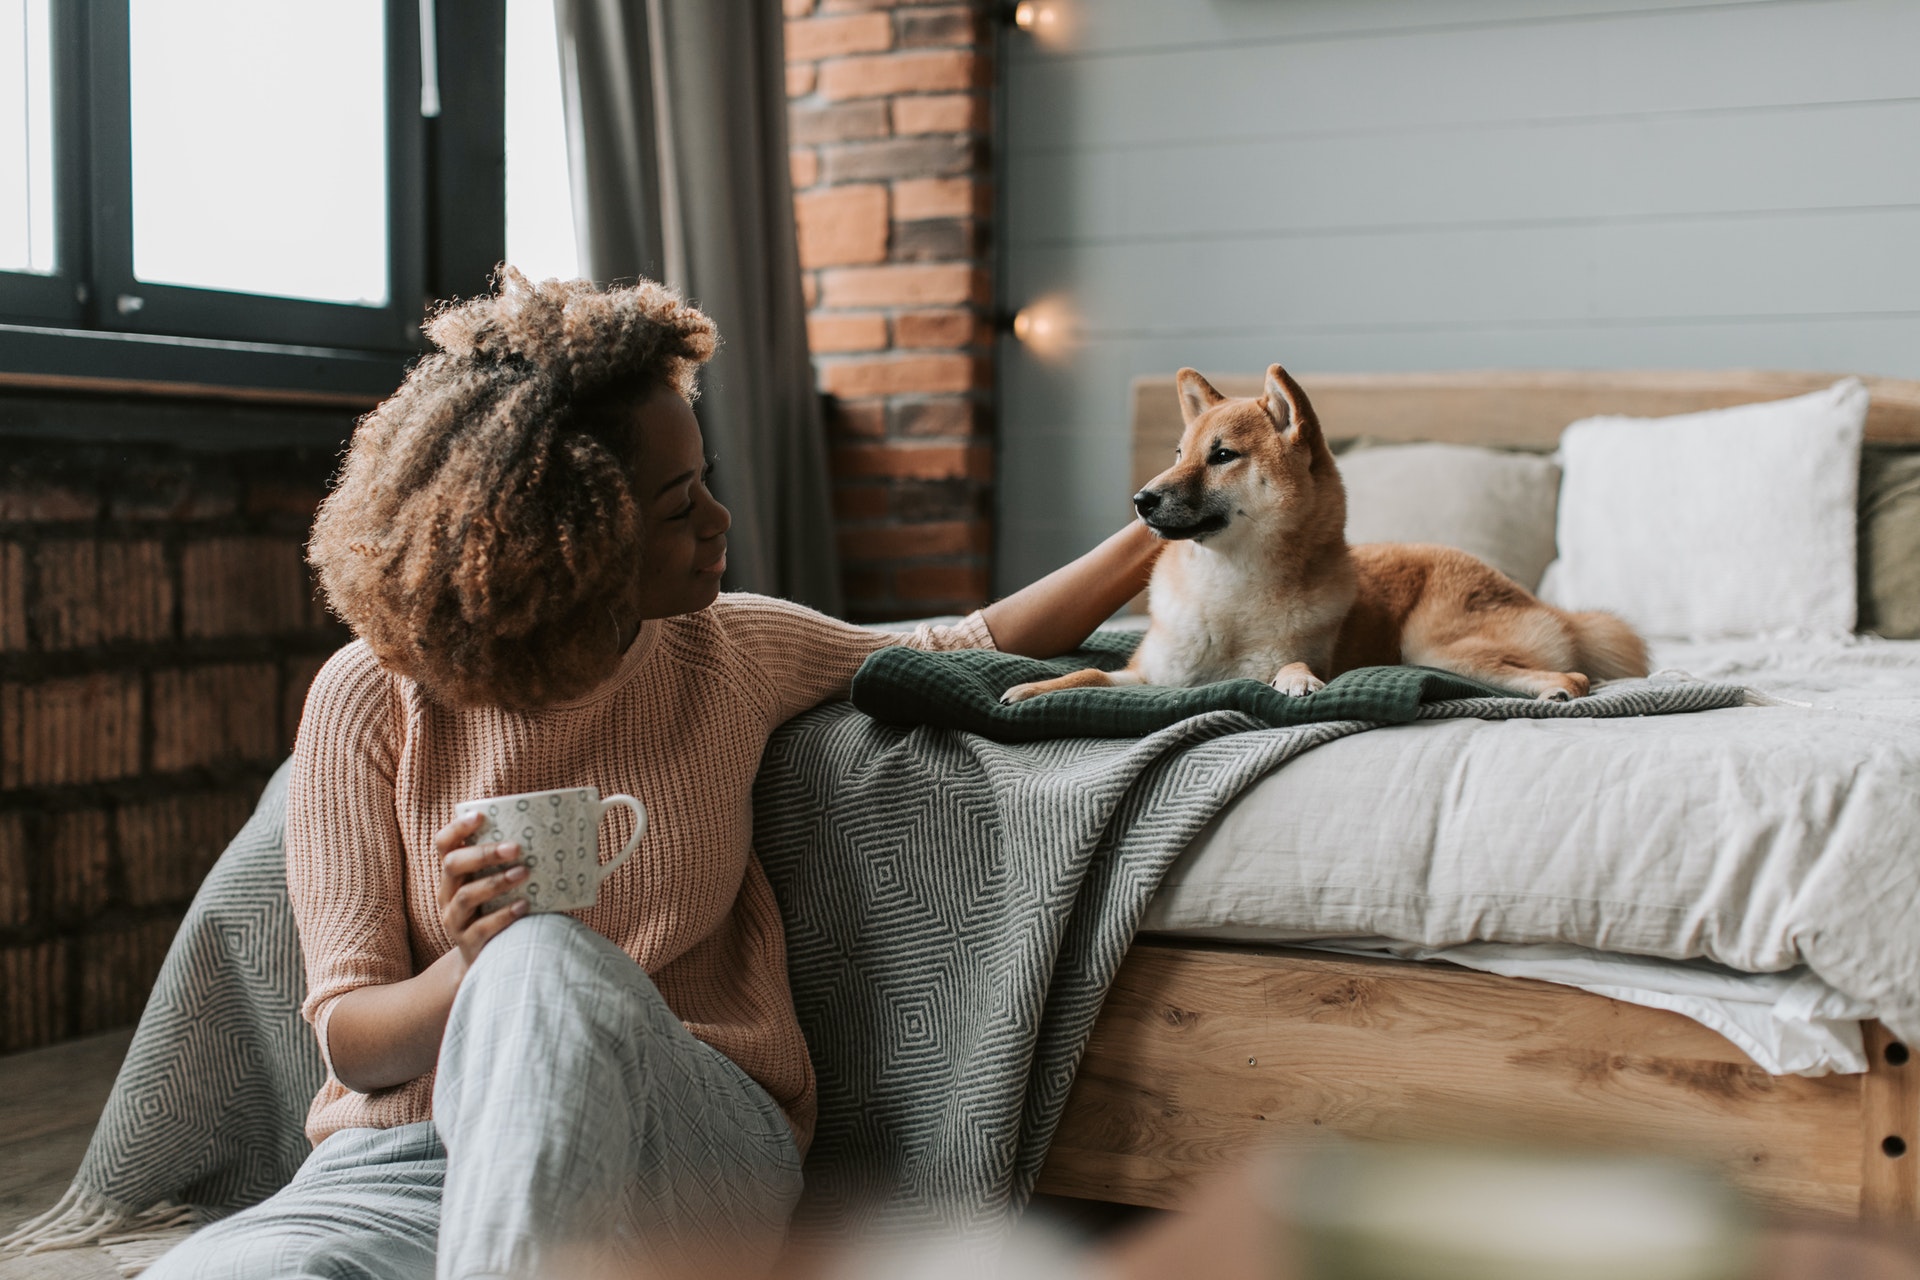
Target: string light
x=1037, y=17
x=1045, y=327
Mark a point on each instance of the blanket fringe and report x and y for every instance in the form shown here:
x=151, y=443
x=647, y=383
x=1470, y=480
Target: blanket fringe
x=136, y=1251
x=1754, y=697
x=83, y=1217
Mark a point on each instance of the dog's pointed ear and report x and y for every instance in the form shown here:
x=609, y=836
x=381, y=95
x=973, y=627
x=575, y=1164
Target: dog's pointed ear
x=1196, y=394
x=1288, y=405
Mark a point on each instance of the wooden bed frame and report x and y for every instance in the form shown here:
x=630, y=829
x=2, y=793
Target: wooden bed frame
x=1204, y=1051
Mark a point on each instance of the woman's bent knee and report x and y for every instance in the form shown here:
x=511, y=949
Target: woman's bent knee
x=550, y=975
x=542, y=944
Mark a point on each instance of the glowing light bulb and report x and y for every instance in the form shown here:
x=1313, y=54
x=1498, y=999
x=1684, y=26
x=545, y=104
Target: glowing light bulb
x=1047, y=22
x=1045, y=327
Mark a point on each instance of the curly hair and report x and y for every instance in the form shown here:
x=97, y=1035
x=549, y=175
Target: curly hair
x=482, y=536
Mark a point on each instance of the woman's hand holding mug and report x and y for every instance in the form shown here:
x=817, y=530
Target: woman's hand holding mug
x=472, y=875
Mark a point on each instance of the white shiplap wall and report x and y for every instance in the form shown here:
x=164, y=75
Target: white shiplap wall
x=1438, y=184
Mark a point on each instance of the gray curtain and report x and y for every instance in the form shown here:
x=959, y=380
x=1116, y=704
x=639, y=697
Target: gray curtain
x=677, y=150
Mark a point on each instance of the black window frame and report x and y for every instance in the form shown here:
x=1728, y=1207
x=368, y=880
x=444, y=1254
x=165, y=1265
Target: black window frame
x=447, y=229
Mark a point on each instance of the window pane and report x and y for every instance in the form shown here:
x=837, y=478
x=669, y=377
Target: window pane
x=260, y=146
x=539, y=207
x=26, y=137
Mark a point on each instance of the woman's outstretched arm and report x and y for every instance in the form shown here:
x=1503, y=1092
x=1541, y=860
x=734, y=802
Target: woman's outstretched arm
x=1059, y=611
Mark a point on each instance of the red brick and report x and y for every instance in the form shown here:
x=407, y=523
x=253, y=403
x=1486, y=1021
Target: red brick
x=803, y=167
x=797, y=8
x=76, y=856
x=935, y=240
x=841, y=226
x=867, y=584
x=290, y=498
x=940, y=113
x=13, y=596
x=812, y=38
x=881, y=75
x=837, y=122
x=95, y=592
x=33, y=995
x=916, y=461
x=949, y=329
x=856, y=418
x=77, y=729
x=857, y=6
x=916, y=198
x=859, y=501
x=243, y=587
x=905, y=285
x=965, y=585
x=924, y=27
x=167, y=846
x=24, y=496
x=215, y=715
x=16, y=905
x=892, y=158
x=117, y=969
x=293, y=695
x=318, y=616
x=905, y=541
x=946, y=416
x=829, y=331
x=902, y=375
x=810, y=288
x=173, y=491
x=801, y=77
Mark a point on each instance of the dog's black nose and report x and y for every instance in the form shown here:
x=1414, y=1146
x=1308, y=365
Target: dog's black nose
x=1146, y=502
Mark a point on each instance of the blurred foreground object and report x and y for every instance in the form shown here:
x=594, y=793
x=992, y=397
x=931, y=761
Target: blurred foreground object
x=1386, y=1213
x=1381, y=1212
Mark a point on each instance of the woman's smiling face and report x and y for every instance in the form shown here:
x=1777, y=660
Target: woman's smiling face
x=684, y=527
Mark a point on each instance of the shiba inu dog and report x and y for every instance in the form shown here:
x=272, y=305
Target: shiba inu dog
x=1259, y=581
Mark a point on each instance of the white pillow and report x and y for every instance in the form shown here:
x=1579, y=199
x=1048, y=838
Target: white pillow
x=1730, y=522
x=1498, y=506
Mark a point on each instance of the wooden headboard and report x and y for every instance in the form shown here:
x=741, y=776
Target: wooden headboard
x=1509, y=408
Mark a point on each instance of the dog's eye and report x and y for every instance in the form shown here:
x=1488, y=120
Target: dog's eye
x=1220, y=456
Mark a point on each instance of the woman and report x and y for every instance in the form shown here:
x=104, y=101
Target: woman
x=525, y=545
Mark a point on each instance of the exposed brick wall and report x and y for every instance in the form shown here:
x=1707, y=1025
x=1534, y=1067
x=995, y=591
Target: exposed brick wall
x=158, y=631
x=889, y=124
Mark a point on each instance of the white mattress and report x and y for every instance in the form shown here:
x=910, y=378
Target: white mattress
x=1665, y=860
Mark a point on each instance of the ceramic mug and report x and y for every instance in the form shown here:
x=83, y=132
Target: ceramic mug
x=559, y=837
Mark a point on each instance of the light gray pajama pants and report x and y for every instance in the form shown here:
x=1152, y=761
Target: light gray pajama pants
x=579, y=1124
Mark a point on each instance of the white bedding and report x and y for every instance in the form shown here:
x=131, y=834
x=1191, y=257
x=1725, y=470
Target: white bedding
x=1777, y=840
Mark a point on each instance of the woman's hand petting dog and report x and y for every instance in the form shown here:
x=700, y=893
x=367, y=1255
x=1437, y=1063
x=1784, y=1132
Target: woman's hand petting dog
x=467, y=884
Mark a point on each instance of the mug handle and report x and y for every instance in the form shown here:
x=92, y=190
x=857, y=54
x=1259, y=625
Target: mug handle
x=633, y=841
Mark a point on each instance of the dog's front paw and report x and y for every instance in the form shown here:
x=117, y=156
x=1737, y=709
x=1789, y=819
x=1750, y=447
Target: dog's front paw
x=1021, y=692
x=1297, y=681
x=1565, y=687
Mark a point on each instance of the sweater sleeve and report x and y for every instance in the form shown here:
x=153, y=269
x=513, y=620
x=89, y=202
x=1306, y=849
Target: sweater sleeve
x=800, y=658
x=346, y=861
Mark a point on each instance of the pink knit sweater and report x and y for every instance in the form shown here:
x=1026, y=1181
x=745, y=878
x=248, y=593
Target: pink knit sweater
x=379, y=767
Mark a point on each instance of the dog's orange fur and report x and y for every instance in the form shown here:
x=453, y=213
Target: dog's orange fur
x=1259, y=580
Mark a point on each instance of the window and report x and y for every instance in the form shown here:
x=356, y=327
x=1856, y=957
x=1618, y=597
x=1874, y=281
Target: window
x=540, y=229
x=26, y=138
x=243, y=191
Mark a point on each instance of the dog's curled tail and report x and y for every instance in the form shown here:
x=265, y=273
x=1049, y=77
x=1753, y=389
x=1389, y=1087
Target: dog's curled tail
x=1605, y=648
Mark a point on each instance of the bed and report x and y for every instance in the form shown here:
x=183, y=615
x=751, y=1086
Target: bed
x=1222, y=1034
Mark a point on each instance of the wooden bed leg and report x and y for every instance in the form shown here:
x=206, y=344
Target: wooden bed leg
x=1890, y=1129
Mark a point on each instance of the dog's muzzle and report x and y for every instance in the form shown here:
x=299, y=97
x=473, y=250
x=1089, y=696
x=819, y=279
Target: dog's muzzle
x=1175, y=521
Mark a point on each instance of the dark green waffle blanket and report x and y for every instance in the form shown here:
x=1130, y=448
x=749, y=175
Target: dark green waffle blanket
x=961, y=690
